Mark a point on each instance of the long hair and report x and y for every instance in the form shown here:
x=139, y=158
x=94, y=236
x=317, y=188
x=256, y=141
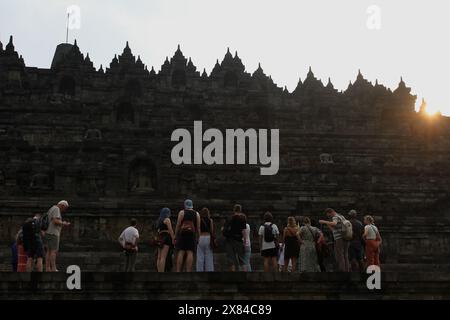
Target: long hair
x=369, y=219
x=291, y=222
x=204, y=213
x=306, y=221
x=163, y=215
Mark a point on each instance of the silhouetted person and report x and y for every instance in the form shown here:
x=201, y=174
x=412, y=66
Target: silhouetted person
x=205, y=258
x=373, y=242
x=186, y=234
x=234, y=232
x=53, y=233
x=355, y=250
x=166, y=237
x=268, y=239
x=340, y=245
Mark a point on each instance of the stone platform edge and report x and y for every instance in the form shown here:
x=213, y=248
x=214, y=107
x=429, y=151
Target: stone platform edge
x=224, y=286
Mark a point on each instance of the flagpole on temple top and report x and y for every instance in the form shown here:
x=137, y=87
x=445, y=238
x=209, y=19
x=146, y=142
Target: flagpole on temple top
x=67, y=28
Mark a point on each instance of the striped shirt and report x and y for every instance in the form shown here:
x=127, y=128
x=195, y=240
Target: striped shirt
x=337, y=230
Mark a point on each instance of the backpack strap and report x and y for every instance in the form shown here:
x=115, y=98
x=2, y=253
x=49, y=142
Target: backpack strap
x=377, y=233
x=310, y=231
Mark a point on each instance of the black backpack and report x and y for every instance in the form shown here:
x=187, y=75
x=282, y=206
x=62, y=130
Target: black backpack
x=45, y=221
x=268, y=233
x=227, y=229
x=28, y=232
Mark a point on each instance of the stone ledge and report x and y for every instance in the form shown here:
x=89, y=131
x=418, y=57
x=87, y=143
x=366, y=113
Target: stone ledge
x=224, y=285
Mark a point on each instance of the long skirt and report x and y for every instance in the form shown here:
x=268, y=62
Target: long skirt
x=308, y=257
x=22, y=259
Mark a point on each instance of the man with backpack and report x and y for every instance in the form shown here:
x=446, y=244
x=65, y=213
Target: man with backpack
x=33, y=243
x=186, y=235
x=234, y=233
x=52, y=223
x=268, y=235
x=342, y=234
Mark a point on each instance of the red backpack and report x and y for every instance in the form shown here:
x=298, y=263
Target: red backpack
x=188, y=226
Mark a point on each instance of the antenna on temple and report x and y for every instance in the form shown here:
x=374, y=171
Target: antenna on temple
x=67, y=28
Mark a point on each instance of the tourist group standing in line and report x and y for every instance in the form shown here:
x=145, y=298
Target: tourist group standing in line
x=300, y=246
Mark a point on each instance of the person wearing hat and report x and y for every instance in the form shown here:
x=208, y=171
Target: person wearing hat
x=355, y=250
x=53, y=233
x=186, y=234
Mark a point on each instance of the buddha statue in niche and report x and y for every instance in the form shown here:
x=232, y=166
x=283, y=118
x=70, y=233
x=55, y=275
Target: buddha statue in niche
x=141, y=178
x=40, y=181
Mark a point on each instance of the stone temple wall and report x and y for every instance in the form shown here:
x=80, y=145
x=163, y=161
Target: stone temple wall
x=101, y=140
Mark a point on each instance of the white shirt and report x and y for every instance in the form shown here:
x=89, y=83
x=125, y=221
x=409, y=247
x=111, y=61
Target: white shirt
x=371, y=232
x=275, y=231
x=246, y=238
x=130, y=234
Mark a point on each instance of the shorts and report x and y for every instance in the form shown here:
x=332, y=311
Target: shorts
x=37, y=249
x=355, y=253
x=270, y=253
x=291, y=251
x=186, y=241
x=52, y=242
x=165, y=238
x=235, y=252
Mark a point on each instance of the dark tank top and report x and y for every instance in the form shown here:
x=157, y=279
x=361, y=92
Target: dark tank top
x=188, y=215
x=205, y=225
x=162, y=227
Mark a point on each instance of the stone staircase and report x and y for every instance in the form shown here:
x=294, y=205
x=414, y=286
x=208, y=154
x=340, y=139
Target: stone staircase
x=224, y=286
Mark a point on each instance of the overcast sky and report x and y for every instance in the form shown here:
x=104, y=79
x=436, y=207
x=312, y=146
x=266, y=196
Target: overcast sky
x=286, y=36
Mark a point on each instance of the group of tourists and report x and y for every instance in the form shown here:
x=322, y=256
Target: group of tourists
x=39, y=238
x=343, y=242
x=350, y=244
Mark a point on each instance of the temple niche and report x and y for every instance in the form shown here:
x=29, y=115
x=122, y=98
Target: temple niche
x=324, y=113
x=23, y=177
x=326, y=158
x=67, y=86
x=90, y=180
x=230, y=80
x=142, y=176
x=178, y=78
x=133, y=89
x=41, y=181
x=92, y=135
x=125, y=113
x=186, y=185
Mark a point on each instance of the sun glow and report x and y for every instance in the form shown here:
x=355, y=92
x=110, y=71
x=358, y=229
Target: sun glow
x=427, y=110
x=431, y=113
